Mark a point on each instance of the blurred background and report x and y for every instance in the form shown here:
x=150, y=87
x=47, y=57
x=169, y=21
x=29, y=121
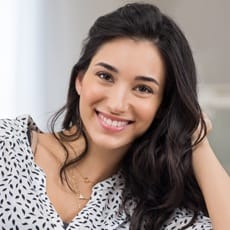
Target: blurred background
x=40, y=40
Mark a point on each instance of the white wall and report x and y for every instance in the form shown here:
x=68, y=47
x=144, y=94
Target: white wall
x=21, y=70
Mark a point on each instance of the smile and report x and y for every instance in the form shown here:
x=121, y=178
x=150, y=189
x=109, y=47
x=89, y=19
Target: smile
x=113, y=123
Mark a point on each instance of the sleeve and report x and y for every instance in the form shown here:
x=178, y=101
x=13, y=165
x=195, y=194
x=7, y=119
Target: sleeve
x=181, y=217
x=8, y=129
x=12, y=139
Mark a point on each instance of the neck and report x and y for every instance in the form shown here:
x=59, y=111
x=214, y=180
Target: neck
x=99, y=164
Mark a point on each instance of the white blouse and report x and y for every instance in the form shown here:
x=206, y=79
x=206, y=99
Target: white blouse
x=24, y=203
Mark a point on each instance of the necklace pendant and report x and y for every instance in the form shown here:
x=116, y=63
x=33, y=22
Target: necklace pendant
x=86, y=180
x=81, y=197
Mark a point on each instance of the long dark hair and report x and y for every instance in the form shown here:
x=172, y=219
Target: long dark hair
x=158, y=166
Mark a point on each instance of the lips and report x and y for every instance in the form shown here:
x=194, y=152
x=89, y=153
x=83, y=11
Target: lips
x=115, y=123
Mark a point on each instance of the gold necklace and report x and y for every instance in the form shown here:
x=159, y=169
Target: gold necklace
x=85, y=179
x=76, y=187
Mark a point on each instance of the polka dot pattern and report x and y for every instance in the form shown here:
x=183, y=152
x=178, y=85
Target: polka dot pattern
x=24, y=203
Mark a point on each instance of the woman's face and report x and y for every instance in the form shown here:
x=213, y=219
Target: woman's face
x=120, y=92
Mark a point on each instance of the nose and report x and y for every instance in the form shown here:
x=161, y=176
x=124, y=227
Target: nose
x=119, y=100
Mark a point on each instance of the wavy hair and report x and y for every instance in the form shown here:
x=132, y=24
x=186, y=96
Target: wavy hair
x=158, y=166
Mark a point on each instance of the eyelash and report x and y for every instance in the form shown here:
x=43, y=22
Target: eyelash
x=105, y=76
x=144, y=89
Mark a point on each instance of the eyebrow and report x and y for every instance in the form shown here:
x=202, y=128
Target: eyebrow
x=149, y=79
x=107, y=66
x=138, y=78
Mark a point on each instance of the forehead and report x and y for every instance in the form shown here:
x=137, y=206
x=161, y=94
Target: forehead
x=138, y=57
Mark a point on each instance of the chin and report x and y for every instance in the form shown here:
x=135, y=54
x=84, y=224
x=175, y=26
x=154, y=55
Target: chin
x=111, y=145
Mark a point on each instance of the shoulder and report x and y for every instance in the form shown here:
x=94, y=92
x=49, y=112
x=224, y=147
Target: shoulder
x=181, y=217
x=14, y=142
x=9, y=128
x=14, y=136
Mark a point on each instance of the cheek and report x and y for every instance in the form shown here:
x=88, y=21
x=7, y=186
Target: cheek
x=147, y=112
x=92, y=94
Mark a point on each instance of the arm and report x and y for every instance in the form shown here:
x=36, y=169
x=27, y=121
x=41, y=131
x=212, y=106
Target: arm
x=214, y=183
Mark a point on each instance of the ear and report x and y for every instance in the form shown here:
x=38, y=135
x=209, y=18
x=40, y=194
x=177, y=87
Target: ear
x=78, y=82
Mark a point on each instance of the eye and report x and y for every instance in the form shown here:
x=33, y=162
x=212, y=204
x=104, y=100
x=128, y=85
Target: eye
x=144, y=89
x=105, y=76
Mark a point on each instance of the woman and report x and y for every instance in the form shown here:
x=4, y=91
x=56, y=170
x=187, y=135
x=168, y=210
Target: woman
x=133, y=152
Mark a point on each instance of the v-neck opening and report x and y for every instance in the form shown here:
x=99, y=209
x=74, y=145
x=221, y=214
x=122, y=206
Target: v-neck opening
x=42, y=172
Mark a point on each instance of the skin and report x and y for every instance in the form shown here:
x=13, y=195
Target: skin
x=120, y=93
x=213, y=180
x=214, y=183
x=112, y=89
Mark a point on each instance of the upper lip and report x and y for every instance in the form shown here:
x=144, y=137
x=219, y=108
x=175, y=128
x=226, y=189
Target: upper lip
x=114, y=118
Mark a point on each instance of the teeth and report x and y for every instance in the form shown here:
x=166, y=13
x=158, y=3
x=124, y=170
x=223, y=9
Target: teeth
x=113, y=123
